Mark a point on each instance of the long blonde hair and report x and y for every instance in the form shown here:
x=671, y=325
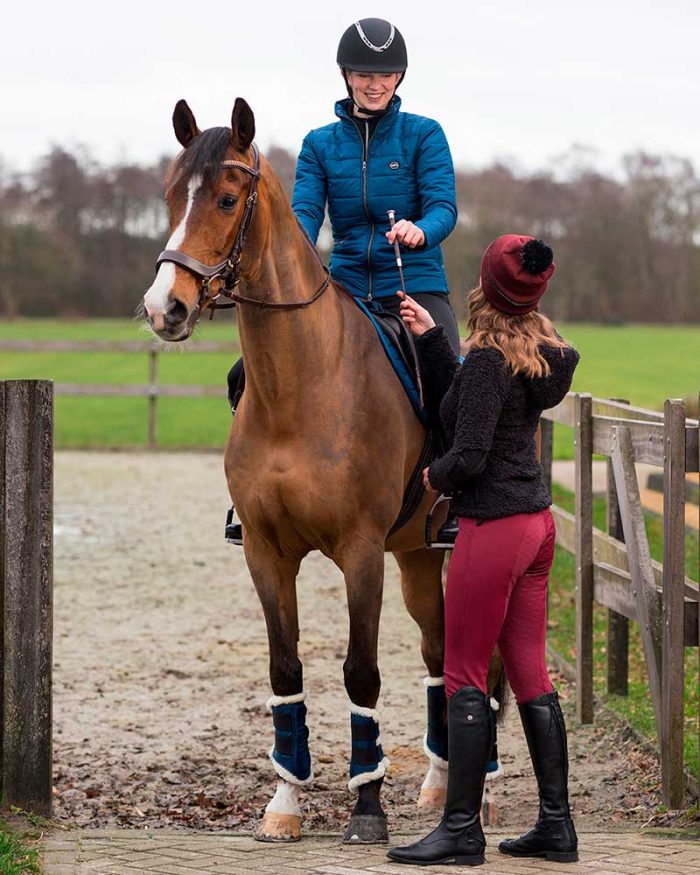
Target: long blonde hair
x=517, y=338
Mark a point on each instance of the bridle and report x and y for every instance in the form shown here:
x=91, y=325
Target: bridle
x=228, y=271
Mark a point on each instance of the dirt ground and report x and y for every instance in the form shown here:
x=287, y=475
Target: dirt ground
x=161, y=672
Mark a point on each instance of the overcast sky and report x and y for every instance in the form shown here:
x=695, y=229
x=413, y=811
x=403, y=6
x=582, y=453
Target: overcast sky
x=524, y=81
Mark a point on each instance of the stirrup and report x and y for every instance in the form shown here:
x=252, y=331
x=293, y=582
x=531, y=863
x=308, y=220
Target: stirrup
x=233, y=533
x=445, y=538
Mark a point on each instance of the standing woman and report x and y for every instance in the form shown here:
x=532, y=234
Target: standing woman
x=516, y=366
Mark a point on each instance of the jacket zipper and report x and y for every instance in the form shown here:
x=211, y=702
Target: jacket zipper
x=364, y=199
x=365, y=155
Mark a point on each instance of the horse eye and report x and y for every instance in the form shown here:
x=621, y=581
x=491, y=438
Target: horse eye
x=228, y=201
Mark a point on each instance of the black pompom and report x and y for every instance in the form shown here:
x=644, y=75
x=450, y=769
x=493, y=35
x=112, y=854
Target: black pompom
x=537, y=256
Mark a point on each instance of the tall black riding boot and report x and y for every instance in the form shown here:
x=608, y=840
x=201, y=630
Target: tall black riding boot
x=553, y=836
x=459, y=838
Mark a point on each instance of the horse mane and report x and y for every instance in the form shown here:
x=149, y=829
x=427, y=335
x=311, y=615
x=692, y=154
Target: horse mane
x=202, y=157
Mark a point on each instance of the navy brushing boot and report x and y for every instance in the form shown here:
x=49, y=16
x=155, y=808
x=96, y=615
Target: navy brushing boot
x=459, y=838
x=553, y=836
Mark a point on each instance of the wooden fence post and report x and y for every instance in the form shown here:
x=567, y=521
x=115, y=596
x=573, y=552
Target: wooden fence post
x=673, y=644
x=618, y=625
x=153, y=396
x=26, y=575
x=583, y=441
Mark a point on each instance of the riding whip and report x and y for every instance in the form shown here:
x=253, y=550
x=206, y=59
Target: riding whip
x=399, y=264
x=397, y=250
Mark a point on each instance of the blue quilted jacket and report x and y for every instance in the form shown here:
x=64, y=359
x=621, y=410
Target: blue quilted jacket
x=406, y=166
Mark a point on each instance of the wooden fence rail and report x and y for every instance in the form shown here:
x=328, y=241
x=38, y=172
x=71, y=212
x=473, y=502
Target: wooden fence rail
x=152, y=390
x=615, y=569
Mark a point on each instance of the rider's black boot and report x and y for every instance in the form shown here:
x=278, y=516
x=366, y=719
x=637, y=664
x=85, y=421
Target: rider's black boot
x=553, y=836
x=233, y=533
x=447, y=534
x=459, y=838
x=236, y=384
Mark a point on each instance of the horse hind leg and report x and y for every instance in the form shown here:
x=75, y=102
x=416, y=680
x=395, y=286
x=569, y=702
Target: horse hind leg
x=275, y=582
x=421, y=586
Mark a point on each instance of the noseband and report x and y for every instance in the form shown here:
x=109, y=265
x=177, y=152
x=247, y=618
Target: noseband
x=228, y=271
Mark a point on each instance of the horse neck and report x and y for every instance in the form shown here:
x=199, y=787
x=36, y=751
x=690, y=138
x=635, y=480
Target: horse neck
x=286, y=351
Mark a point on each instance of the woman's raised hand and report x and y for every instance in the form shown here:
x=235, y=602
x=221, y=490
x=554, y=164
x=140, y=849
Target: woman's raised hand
x=416, y=317
x=407, y=233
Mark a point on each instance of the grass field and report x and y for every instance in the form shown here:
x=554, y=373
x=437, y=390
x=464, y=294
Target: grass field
x=644, y=364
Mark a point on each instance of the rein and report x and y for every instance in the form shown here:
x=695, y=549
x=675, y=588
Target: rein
x=228, y=271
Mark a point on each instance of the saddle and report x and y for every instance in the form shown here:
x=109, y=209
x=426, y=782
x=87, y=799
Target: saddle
x=400, y=349
x=396, y=332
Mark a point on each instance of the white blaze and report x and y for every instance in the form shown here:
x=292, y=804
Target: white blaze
x=156, y=298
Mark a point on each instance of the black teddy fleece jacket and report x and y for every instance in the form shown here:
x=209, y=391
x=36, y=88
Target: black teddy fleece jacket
x=490, y=418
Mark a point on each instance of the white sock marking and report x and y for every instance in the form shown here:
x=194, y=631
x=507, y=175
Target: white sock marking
x=285, y=800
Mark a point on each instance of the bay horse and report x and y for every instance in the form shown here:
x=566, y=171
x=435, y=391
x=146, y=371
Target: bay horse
x=321, y=448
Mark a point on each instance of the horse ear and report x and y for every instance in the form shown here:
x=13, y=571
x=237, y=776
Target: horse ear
x=184, y=124
x=242, y=125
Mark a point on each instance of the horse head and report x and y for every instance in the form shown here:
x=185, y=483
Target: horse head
x=211, y=196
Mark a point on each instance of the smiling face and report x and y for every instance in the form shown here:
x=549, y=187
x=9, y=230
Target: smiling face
x=372, y=90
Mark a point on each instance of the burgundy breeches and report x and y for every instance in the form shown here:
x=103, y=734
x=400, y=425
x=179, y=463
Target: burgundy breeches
x=497, y=594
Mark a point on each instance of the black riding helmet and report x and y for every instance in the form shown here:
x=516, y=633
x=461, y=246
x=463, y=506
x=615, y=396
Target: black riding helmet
x=372, y=45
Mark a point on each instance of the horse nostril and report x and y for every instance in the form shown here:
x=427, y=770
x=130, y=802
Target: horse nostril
x=177, y=313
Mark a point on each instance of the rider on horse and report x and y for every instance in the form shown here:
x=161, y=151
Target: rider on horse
x=376, y=158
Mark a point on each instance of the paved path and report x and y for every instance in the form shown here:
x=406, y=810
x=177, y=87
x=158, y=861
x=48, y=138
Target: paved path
x=116, y=852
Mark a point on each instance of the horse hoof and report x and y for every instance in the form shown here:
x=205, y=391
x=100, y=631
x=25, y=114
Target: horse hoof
x=432, y=799
x=366, y=829
x=278, y=828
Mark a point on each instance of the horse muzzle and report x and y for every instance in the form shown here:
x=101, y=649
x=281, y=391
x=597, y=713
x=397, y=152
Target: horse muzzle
x=173, y=324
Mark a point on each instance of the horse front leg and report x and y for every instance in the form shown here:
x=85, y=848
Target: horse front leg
x=364, y=579
x=275, y=582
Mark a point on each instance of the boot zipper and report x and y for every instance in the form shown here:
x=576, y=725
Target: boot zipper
x=564, y=757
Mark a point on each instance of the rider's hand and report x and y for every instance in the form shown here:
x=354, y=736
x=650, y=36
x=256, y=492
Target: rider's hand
x=416, y=317
x=426, y=481
x=407, y=233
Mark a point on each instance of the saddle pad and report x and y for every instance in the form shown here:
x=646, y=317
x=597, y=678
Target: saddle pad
x=396, y=359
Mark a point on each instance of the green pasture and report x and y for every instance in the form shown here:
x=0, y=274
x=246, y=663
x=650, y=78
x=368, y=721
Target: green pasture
x=644, y=364
x=636, y=708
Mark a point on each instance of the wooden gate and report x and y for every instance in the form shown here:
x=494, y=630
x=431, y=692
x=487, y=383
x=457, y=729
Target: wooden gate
x=615, y=569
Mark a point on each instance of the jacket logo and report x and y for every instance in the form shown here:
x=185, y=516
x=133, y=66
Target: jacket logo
x=394, y=165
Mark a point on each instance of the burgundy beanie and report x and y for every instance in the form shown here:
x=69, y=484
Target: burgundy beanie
x=514, y=273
